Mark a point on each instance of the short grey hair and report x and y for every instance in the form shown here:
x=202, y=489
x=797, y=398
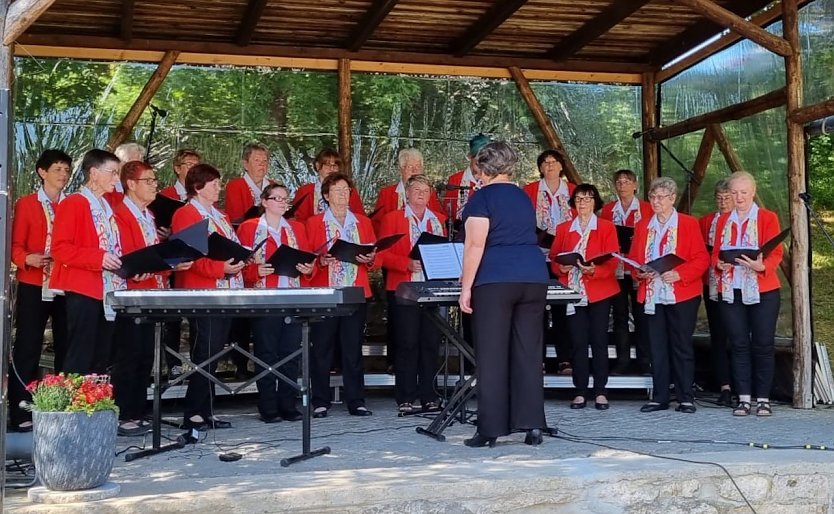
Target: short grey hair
x=418, y=179
x=722, y=186
x=127, y=152
x=250, y=148
x=664, y=183
x=497, y=158
x=409, y=154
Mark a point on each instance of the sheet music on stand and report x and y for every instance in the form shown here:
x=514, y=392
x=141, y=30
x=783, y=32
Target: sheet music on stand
x=442, y=261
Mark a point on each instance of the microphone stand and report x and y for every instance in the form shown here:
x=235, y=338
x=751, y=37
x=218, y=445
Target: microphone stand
x=690, y=175
x=806, y=199
x=154, y=113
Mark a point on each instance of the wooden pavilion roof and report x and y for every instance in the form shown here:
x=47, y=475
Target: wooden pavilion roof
x=628, y=36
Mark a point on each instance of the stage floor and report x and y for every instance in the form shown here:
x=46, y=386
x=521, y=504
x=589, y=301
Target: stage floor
x=372, y=455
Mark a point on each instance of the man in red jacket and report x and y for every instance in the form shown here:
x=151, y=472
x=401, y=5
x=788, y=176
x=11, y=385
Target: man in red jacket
x=86, y=248
x=36, y=302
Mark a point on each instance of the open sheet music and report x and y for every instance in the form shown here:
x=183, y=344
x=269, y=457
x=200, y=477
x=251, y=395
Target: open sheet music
x=443, y=261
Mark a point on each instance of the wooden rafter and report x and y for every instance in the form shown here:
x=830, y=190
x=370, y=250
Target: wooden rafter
x=699, y=171
x=651, y=157
x=737, y=24
x=587, y=33
x=124, y=128
x=698, y=33
x=345, y=132
x=250, y=20
x=814, y=112
x=759, y=104
x=500, y=11
x=369, y=23
x=726, y=149
x=128, y=8
x=543, y=121
x=20, y=15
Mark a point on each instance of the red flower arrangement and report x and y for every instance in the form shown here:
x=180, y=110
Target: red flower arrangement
x=72, y=393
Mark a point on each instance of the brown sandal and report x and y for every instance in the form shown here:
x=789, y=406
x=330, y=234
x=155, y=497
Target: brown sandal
x=764, y=409
x=743, y=409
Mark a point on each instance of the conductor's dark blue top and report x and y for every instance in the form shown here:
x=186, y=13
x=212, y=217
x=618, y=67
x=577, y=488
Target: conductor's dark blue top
x=512, y=253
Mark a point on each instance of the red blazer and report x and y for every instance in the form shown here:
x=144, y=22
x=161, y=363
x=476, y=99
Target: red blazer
x=395, y=259
x=307, y=192
x=75, y=249
x=451, y=196
x=171, y=192
x=28, y=236
x=132, y=239
x=114, y=198
x=316, y=236
x=239, y=198
x=387, y=202
x=603, y=283
x=690, y=247
x=205, y=272
x=768, y=225
x=607, y=212
x=246, y=234
x=532, y=190
x=704, y=222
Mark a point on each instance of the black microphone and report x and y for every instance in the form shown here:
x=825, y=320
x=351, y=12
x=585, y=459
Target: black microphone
x=159, y=112
x=805, y=197
x=442, y=186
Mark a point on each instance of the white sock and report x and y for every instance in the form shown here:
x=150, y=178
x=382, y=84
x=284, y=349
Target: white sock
x=744, y=398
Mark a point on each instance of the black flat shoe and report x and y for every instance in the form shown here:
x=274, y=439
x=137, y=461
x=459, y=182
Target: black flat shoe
x=579, y=405
x=274, y=418
x=654, y=407
x=726, y=398
x=479, y=441
x=601, y=406
x=534, y=437
x=360, y=411
x=291, y=415
x=686, y=408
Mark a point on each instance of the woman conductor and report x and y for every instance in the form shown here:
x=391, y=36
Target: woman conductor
x=504, y=287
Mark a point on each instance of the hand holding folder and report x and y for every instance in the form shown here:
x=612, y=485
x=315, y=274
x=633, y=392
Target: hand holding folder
x=659, y=266
x=222, y=248
x=346, y=251
x=730, y=255
x=188, y=244
x=286, y=258
x=576, y=259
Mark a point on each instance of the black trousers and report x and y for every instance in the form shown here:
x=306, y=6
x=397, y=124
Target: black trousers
x=751, y=330
x=89, y=336
x=240, y=333
x=390, y=332
x=507, y=326
x=347, y=331
x=30, y=319
x=620, y=305
x=132, y=364
x=719, y=343
x=274, y=340
x=670, y=331
x=210, y=338
x=589, y=327
x=417, y=340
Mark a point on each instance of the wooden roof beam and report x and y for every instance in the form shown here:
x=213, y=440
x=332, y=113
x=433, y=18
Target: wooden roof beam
x=587, y=33
x=372, y=19
x=737, y=24
x=128, y=8
x=814, y=112
x=500, y=12
x=21, y=15
x=756, y=105
x=250, y=20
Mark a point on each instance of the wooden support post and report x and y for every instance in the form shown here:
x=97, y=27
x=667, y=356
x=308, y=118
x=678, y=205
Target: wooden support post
x=803, y=363
x=20, y=15
x=756, y=105
x=699, y=170
x=345, y=134
x=814, y=112
x=543, y=122
x=739, y=25
x=725, y=148
x=126, y=126
x=651, y=161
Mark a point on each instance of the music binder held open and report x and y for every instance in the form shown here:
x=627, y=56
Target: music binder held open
x=442, y=261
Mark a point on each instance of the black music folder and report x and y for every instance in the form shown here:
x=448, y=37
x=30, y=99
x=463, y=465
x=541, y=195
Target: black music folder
x=286, y=258
x=251, y=212
x=186, y=245
x=222, y=248
x=346, y=251
x=545, y=239
x=731, y=254
x=624, y=237
x=425, y=238
x=660, y=265
x=163, y=209
x=575, y=258
x=291, y=211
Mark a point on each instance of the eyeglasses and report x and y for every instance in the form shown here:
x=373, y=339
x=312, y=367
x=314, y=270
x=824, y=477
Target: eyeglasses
x=624, y=182
x=581, y=199
x=148, y=180
x=114, y=171
x=279, y=199
x=659, y=197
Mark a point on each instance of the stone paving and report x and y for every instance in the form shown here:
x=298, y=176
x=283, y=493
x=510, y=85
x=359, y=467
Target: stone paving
x=387, y=444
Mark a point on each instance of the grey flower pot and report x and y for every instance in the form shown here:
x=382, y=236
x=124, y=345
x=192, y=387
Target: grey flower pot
x=74, y=451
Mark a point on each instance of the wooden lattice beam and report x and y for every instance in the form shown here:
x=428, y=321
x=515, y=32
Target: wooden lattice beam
x=369, y=23
x=587, y=33
x=699, y=171
x=500, y=12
